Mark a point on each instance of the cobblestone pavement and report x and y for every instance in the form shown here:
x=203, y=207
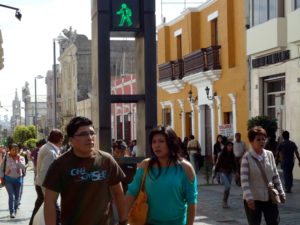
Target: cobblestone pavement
x=209, y=210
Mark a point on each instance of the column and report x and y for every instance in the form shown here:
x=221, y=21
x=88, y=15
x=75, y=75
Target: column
x=182, y=117
x=219, y=107
x=232, y=96
x=213, y=130
x=201, y=124
x=193, y=118
x=172, y=114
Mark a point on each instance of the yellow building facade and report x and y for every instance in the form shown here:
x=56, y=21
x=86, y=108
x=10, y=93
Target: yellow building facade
x=202, y=72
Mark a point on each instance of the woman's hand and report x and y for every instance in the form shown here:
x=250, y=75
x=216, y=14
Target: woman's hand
x=251, y=204
x=282, y=198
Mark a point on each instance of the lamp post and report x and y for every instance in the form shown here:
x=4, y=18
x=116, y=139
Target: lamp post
x=35, y=102
x=54, y=83
x=18, y=14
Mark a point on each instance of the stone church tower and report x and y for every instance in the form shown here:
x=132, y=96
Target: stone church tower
x=16, y=112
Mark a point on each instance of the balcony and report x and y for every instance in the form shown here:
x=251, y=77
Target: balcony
x=201, y=63
x=194, y=62
x=268, y=36
x=213, y=58
x=171, y=70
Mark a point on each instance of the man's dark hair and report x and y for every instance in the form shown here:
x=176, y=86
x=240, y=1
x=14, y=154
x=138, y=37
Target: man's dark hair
x=120, y=144
x=40, y=143
x=55, y=136
x=192, y=137
x=75, y=123
x=286, y=135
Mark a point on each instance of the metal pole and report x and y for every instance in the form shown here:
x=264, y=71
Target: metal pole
x=54, y=83
x=35, y=108
x=9, y=7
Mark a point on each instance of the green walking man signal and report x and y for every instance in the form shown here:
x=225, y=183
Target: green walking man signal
x=125, y=13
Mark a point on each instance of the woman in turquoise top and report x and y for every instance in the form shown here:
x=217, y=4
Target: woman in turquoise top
x=171, y=184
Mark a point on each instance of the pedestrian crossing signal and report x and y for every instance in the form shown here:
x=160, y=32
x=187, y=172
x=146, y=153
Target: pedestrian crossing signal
x=125, y=15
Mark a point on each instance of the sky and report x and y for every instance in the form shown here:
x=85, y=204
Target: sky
x=28, y=44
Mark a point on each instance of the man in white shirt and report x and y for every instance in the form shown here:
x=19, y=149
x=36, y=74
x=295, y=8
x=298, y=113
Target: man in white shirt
x=47, y=154
x=239, y=149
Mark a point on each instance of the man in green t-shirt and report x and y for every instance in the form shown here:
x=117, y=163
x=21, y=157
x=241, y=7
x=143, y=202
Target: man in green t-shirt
x=86, y=179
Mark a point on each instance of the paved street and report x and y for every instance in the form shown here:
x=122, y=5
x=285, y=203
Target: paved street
x=209, y=210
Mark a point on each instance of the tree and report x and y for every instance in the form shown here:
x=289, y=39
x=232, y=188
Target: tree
x=269, y=124
x=22, y=134
x=32, y=130
x=30, y=143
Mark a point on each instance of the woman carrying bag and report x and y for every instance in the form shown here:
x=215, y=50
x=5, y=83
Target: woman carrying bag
x=14, y=164
x=170, y=183
x=258, y=171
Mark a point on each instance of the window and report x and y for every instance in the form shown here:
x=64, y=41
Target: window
x=167, y=117
x=274, y=95
x=264, y=10
x=297, y=4
x=179, y=46
x=227, y=118
x=214, y=32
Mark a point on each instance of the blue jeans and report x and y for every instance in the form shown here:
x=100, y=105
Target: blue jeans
x=226, y=180
x=13, y=190
x=193, y=161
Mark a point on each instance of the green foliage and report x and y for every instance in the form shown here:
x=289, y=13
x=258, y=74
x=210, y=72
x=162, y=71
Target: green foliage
x=269, y=124
x=22, y=134
x=30, y=143
x=32, y=130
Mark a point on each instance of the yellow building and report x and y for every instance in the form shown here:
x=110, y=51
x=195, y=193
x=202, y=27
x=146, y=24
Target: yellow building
x=202, y=72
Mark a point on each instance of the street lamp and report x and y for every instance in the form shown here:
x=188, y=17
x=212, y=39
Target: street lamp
x=59, y=38
x=207, y=94
x=18, y=14
x=35, y=105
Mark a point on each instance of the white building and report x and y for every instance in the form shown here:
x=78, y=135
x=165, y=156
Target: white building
x=273, y=49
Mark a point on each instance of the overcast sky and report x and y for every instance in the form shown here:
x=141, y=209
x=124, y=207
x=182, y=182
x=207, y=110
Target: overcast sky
x=28, y=44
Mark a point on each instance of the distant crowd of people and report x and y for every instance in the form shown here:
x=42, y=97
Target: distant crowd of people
x=96, y=187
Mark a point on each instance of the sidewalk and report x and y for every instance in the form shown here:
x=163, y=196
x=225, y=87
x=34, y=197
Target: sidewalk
x=209, y=209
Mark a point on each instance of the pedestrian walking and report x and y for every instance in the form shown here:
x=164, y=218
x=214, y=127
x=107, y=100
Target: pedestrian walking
x=47, y=154
x=170, y=184
x=218, y=147
x=226, y=167
x=11, y=173
x=40, y=196
x=86, y=179
x=255, y=188
x=119, y=151
x=286, y=151
x=239, y=149
x=194, y=150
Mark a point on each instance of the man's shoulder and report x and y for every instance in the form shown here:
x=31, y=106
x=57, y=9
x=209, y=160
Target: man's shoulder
x=104, y=154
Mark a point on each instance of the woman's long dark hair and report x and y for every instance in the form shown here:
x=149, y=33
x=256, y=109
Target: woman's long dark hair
x=225, y=153
x=173, y=146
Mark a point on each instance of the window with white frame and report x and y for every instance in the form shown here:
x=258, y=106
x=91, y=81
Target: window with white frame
x=274, y=94
x=167, y=117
